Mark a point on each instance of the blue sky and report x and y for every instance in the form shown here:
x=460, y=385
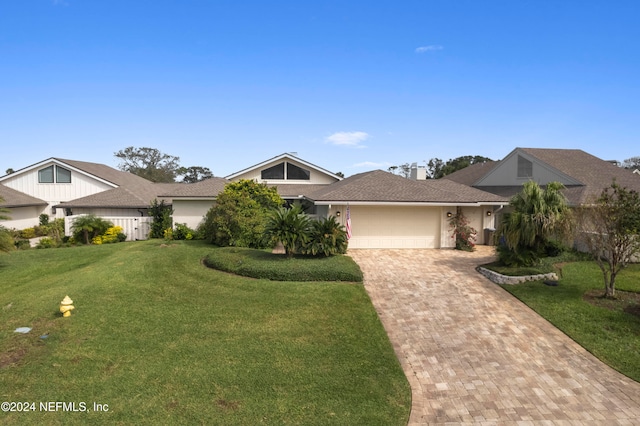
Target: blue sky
x=349, y=85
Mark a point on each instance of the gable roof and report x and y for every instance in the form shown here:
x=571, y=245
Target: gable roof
x=471, y=174
x=383, y=187
x=100, y=172
x=208, y=188
x=138, y=196
x=13, y=198
x=285, y=156
x=590, y=175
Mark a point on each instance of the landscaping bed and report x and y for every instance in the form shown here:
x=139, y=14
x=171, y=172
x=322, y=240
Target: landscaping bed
x=264, y=264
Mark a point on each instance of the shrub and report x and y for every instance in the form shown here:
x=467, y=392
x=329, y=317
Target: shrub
x=464, y=234
x=162, y=220
x=265, y=265
x=43, y=219
x=112, y=235
x=326, y=237
x=291, y=226
x=22, y=244
x=182, y=232
x=240, y=214
x=28, y=233
x=45, y=243
x=86, y=228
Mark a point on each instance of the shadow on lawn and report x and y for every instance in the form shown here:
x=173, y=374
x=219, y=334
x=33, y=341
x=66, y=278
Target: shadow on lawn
x=626, y=301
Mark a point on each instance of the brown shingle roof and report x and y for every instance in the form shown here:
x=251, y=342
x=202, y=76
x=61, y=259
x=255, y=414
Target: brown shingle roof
x=203, y=189
x=471, y=174
x=105, y=172
x=137, y=196
x=380, y=186
x=594, y=173
x=13, y=198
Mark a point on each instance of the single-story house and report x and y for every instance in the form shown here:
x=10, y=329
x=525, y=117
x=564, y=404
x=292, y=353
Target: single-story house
x=386, y=211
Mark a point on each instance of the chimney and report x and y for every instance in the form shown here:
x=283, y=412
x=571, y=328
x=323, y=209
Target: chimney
x=418, y=172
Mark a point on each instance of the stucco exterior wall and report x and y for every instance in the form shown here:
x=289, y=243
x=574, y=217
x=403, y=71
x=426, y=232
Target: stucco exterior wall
x=23, y=217
x=190, y=212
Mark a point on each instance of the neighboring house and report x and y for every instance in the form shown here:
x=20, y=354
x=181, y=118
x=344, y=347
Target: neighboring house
x=67, y=188
x=23, y=210
x=386, y=211
x=584, y=175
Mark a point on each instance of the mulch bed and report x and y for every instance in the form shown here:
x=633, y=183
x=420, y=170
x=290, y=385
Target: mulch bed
x=625, y=301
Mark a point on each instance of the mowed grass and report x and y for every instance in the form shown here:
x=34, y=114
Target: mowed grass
x=611, y=333
x=161, y=339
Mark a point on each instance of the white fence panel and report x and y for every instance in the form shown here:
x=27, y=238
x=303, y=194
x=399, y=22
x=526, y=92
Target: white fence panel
x=135, y=228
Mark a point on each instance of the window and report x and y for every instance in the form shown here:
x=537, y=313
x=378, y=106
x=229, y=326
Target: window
x=63, y=175
x=525, y=168
x=298, y=173
x=45, y=175
x=275, y=172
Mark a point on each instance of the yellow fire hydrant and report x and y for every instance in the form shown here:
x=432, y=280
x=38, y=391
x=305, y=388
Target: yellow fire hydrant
x=66, y=306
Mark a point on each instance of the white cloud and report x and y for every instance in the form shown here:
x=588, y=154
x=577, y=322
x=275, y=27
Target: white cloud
x=353, y=139
x=372, y=165
x=429, y=48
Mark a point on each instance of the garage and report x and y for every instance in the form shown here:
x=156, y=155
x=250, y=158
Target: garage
x=395, y=227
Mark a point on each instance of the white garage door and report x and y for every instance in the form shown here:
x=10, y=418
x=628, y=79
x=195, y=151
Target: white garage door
x=395, y=227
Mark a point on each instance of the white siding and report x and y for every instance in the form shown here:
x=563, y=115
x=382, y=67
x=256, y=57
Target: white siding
x=135, y=228
x=54, y=193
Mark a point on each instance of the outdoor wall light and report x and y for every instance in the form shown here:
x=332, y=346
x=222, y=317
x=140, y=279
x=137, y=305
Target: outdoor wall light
x=449, y=214
x=488, y=212
x=338, y=213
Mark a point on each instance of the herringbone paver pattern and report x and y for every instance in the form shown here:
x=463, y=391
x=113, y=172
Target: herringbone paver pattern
x=473, y=354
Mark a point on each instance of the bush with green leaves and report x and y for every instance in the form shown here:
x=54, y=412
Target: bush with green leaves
x=326, y=237
x=161, y=214
x=463, y=233
x=87, y=227
x=182, y=232
x=45, y=243
x=290, y=226
x=239, y=216
x=540, y=221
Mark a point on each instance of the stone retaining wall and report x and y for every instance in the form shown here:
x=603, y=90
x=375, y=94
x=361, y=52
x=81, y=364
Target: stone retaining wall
x=506, y=279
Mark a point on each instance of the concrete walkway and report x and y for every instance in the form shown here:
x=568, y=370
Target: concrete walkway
x=473, y=354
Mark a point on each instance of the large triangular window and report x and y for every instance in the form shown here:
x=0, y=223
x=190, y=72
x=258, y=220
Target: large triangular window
x=288, y=172
x=297, y=173
x=274, y=172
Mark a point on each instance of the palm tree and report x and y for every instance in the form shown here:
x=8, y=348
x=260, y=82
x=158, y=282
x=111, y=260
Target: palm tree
x=289, y=226
x=539, y=216
x=89, y=226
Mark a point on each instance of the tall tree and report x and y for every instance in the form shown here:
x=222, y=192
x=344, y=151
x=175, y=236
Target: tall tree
x=149, y=163
x=538, y=217
x=194, y=174
x=631, y=163
x=610, y=229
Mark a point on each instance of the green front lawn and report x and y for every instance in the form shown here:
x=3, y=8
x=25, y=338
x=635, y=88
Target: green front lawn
x=609, y=330
x=161, y=339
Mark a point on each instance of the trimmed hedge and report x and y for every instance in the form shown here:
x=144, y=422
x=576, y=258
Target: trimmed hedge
x=266, y=265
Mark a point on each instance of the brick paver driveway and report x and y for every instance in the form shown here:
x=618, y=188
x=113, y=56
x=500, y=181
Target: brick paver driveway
x=474, y=354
